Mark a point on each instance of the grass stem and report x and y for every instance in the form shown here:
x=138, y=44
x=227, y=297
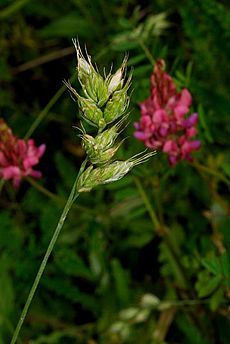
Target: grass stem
x=72, y=197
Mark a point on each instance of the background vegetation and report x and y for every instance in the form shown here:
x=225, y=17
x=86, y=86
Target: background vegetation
x=143, y=260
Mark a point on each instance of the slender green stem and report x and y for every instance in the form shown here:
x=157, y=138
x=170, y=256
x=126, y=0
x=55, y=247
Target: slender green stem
x=147, y=203
x=43, y=190
x=60, y=224
x=146, y=51
x=57, y=198
x=182, y=303
x=160, y=230
x=11, y=9
x=72, y=197
x=57, y=54
x=44, y=112
x=2, y=182
x=210, y=171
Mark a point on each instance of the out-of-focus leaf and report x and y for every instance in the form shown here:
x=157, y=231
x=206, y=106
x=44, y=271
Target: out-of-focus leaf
x=191, y=333
x=207, y=286
x=12, y=8
x=136, y=59
x=154, y=25
x=225, y=267
x=71, y=25
x=96, y=251
x=71, y=264
x=63, y=165
x=6, y=299
x=212, y=264
x=204, y=124
x=216, y=299
x=70, y=292
x=121, y=280
x=142, y=70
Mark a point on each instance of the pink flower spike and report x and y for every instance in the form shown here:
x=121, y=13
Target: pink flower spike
x=172, y=160
x=190, y=121
x=17, y=156
x=160, y=116
x=195, y=144
x=41, y=150
x=185, y=98
x=190, y=132
x=11, y=172
x=180, y=111
x=140, y=135
x=163, y=124
x=36, y=174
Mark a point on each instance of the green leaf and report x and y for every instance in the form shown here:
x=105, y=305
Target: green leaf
x=71, y=264
x=225, y=266
x=212, y=264
x=209, y=286
x=6, y=298
x=203, y=122
x=66, y=169
x=191, y=332
x=216, y=299
x=69, y=26
x=96, y=252
x=142, y=70
x=121, y=279
x=136, y=59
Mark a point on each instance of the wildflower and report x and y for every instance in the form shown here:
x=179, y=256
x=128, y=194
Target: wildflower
x=17, y=156
x=163, y=125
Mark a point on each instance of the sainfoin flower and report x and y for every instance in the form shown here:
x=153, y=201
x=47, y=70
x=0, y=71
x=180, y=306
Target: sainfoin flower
x=165, y=124
x=17, y=156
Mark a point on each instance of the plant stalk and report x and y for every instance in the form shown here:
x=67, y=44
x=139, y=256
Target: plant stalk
x=72, y=197
x=162, y=232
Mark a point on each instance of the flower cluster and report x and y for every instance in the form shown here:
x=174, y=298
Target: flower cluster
x=103, y=105
x=163, y=124
x=17, y=156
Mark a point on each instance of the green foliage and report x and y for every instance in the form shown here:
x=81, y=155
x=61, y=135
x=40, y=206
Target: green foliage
x=113, y=253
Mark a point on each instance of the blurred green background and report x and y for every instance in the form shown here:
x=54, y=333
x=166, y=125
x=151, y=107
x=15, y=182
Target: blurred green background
x=113, y=276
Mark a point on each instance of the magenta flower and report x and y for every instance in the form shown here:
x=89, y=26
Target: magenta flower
x=17, y=156
x=164, y=124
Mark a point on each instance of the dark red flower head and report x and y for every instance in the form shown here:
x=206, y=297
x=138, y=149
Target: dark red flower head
x=164, y=123
x=17, y=156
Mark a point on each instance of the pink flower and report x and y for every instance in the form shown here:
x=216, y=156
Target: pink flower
x=164, y=123
x=17, y=156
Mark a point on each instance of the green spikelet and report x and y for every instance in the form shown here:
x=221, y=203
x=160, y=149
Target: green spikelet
x=118, y=104
x=82, y=181
x=93, y=84
x=115, y=81
x=89, y=110
x=103, y=157
x=109, y=173
x=97, y=153
x=89, y=145
x=107, y=138
x=91, y=113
